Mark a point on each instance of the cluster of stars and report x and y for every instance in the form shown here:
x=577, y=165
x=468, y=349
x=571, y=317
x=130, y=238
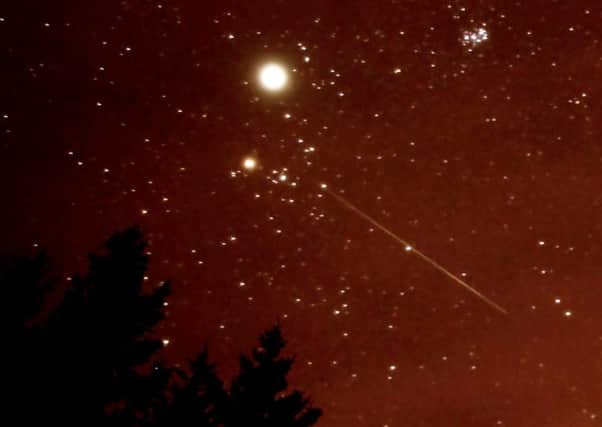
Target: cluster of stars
x=475, y=37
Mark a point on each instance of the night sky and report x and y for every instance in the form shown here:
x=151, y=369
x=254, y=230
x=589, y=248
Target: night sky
x=471, y=129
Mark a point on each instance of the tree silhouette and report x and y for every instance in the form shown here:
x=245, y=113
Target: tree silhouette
x=91, y=359
x=258, y=394
x=145, y=405
x=98, y=336
x=24, y=283
x=198, y=398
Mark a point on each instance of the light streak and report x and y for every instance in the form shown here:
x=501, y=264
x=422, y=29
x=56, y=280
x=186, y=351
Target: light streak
x=412, y=249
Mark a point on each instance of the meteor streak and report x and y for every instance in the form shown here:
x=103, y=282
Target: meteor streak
x=409, y=248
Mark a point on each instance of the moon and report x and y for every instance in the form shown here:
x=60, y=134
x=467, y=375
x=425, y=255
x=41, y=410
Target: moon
x=273, y=77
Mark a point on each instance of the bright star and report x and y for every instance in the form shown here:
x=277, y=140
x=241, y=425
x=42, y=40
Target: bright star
x=249, y=163
x=273, y=77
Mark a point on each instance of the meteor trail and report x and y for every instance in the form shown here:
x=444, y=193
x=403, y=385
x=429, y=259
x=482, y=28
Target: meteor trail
x=409, y=248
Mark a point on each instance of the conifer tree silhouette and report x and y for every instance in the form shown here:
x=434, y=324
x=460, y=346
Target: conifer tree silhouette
x=147, y=402
x=198, y=398
x=24, y=283
x=99, y=334
x=87, y=364
x=258, y=394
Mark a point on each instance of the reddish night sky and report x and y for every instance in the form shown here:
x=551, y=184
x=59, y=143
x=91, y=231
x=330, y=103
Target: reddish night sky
x=471, y=129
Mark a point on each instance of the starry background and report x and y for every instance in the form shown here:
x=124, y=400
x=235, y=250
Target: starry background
x=470, y=128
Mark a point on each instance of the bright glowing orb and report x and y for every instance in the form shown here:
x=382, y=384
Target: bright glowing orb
x=249, y=163
x=273, y=77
